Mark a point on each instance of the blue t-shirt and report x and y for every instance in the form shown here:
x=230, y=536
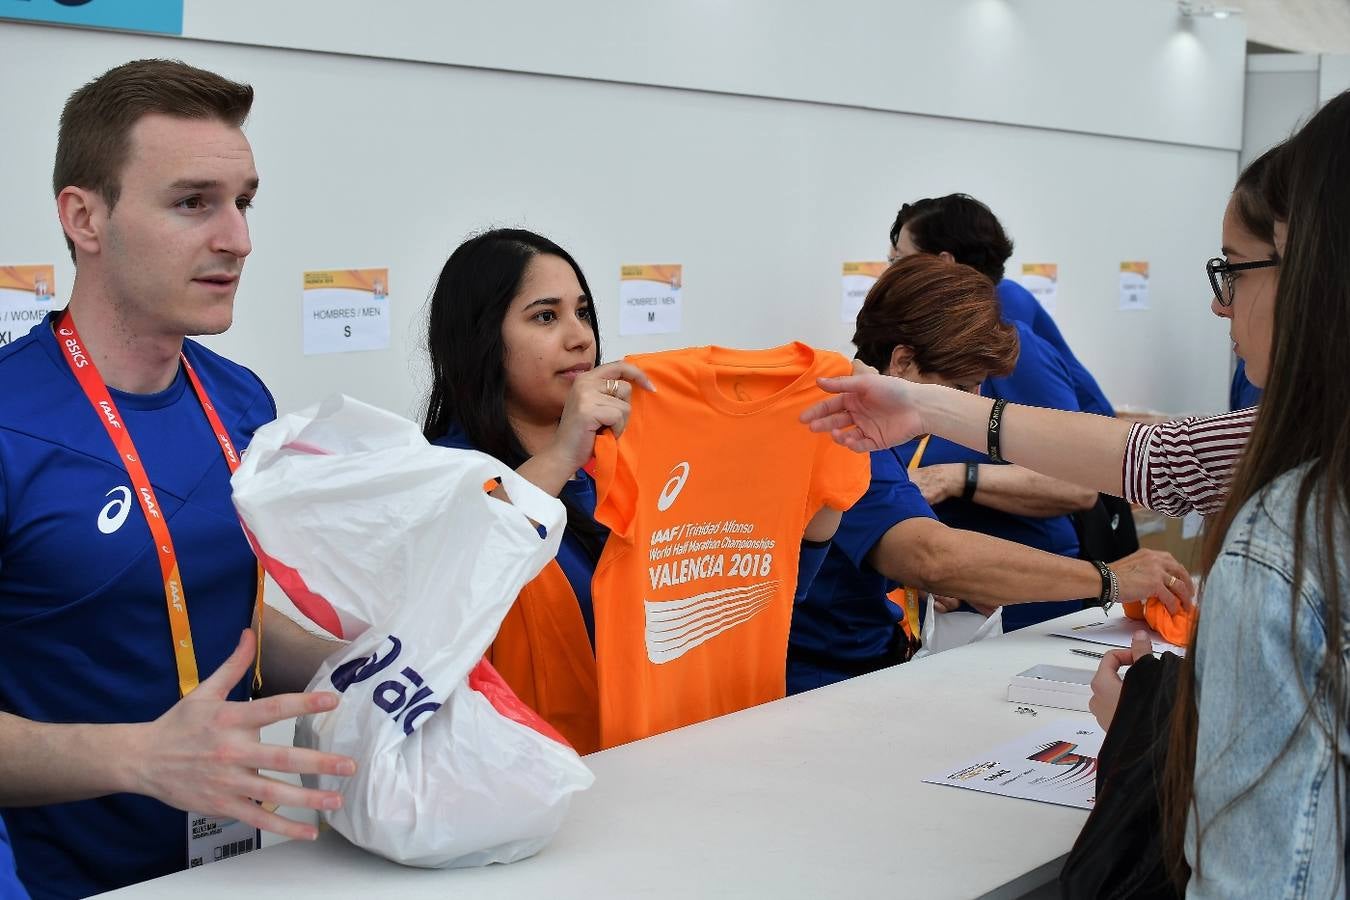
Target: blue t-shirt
x=1242, y=394
x=84, y=635
x=576, y=563
x=10, y=888
x=845, y=614
x=1019, y=305
x=1041, y=378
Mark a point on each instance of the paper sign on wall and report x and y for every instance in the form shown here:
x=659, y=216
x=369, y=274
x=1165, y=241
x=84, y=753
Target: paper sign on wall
x=345, y=309
x=858, y=280
x=25, y=299
x=1042, y=281
x=649, y=299
x=1134, y=285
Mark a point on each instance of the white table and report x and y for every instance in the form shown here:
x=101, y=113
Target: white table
x=817, y=795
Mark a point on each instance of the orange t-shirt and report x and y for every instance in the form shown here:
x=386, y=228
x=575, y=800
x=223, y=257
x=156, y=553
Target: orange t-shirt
x=707, y=495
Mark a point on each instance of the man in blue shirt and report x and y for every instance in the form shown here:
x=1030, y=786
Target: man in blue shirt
x=127, y=588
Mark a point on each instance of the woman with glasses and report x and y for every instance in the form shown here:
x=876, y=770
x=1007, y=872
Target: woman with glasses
x=1174, y=467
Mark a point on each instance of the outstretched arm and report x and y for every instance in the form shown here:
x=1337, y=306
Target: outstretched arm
x=871, y=412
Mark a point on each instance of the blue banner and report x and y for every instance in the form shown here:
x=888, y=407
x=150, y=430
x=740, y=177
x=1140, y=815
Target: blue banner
x=160, y=16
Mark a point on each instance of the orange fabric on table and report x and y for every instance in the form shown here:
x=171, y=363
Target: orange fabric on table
x=707, y=495
x=1175, y=628
x=543, y=653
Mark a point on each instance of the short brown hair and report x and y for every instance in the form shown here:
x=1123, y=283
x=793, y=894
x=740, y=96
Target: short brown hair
x=947, y=313
x=95, y=134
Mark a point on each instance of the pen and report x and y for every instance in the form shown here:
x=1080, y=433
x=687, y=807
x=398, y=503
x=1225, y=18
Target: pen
x=1081, y=652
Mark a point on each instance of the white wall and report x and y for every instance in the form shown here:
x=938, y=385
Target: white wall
x=368, y=161
x=1333, y=76
x=1281, y=94
x=1137, y=69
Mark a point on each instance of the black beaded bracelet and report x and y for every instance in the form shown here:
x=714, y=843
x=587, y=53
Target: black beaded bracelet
x=972, y=481
x=995, y=426
x=1110, y=586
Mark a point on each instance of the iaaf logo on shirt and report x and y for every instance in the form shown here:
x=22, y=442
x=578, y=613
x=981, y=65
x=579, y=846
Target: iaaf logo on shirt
x=674, y=484
x=390, y=696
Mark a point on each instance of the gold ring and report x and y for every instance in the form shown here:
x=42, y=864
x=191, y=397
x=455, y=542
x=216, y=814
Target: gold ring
x=612, y=387
x=1171, y=580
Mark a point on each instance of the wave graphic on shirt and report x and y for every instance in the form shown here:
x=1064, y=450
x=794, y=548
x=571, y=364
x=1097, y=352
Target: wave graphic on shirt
x=674, y=627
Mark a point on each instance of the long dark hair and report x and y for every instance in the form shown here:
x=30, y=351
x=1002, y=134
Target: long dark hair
x=1297, y=425
x=468, y=355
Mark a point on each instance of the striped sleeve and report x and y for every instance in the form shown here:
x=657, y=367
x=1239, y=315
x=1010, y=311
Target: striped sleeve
x=1176, y=467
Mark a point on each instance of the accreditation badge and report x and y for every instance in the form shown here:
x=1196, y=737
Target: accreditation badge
x=213, y=838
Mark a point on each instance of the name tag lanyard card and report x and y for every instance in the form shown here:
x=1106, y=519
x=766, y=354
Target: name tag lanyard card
x=210, y=838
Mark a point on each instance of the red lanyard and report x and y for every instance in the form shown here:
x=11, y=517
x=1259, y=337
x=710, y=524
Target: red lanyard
x=82, y=366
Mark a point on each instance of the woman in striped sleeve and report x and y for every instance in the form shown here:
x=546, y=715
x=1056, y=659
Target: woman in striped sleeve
x=1174, y=467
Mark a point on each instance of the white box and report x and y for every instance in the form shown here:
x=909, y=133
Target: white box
x=1057, y=686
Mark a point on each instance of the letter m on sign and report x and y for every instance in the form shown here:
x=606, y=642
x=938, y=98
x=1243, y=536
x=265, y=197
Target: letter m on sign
x=651, y=316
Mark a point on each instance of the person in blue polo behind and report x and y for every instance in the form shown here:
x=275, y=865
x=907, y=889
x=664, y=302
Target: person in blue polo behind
x=960, y=228
x=929, y=319
x=966, y=230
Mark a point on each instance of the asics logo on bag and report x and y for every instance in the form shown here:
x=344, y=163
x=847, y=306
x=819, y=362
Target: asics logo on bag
x=390, y=696
x=674, y=484
x=114, y=513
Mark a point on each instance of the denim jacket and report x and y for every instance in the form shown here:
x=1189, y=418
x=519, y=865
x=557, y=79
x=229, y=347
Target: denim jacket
x=1258, y=655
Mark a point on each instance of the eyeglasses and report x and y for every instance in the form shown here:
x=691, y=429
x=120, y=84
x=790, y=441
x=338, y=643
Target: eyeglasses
x=1223, y=276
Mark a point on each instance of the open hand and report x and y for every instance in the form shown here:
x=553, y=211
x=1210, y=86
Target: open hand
x=204, y=754
x=867, y=412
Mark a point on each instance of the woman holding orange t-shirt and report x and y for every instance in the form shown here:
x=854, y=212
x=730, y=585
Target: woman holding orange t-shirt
x=515, y=356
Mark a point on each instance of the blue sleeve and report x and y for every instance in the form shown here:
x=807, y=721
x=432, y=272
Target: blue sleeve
x=10, y=887
x=811, y=558
x=1019, y=305
x=891, y=498
x=1040, y=379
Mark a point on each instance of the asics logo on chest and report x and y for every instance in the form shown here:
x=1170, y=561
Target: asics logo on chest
x=114, y=513
x=674, y=484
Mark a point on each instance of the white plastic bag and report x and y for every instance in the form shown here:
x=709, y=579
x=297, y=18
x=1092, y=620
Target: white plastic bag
x=943, y=631
x=388, y=541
